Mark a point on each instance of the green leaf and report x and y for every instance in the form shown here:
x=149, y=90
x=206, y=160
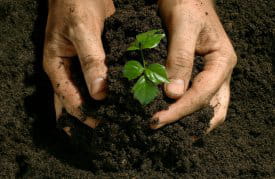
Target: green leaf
x=132, y=69
x=145, y=40
x=144, y=90
x=150, y=39
x=156, y=73
x=134, y=46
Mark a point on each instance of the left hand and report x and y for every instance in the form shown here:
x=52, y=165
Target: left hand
x=194, y=27
x=74, y=28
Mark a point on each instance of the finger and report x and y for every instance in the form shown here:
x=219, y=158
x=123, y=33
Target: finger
x=206, y=84
x=182, y=41
x=67, y=130
x=220, y=103
x=58, y=107
x=58, y=112
x=66, y=92
x=90, y=50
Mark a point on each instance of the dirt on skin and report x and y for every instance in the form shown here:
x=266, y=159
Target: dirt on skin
x=33, y=146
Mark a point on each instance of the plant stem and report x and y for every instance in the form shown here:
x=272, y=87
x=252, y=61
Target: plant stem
x=142, y=56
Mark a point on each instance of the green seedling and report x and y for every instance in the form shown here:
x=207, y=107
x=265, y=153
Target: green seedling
x=150, y=75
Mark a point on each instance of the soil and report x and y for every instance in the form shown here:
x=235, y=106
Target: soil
x=33, y=146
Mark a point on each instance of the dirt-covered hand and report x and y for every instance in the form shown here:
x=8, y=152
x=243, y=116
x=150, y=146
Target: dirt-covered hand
x=74, y=29
x=194, y=28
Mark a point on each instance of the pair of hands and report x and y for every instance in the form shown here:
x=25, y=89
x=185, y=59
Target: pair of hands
x=74, y=28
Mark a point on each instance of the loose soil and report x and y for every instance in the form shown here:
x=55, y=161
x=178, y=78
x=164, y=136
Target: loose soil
x=33, y=146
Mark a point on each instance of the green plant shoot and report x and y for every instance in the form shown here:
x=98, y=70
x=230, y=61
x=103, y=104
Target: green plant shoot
x=150, y=75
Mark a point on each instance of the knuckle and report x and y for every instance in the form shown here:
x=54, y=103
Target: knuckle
x=75, y=27
x=99, y=58
x=230, y=55
x=233, y=60
x=93, y=61
x=82, y=25
x=45, y=65
x=185, y=54
x=181, y=59
x=50, y=50
x=227, y=60
x=53, y=38
x=78, y=24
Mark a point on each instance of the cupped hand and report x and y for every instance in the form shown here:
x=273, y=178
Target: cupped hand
x=74, y=29
x=194, y=28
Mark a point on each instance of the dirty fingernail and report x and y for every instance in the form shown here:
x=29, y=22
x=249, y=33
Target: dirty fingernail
x=154, y=121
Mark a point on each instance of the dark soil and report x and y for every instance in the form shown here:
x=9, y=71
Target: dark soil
x=32, y=146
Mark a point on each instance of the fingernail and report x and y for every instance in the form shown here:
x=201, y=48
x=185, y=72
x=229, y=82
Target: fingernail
x=97, y=88
x=97, y=84
x=154, y=121
x=175, y=88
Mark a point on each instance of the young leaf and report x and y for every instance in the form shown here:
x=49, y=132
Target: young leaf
x=156, y=73
x=144, y=91
x=132, y=69
x=150, y=39
x=145, y=40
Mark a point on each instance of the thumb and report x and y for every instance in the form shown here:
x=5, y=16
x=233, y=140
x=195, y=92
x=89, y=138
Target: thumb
x=92, y=59
x=182, y=41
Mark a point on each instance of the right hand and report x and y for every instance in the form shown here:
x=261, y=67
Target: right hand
x=194, y=28
x=74, y=28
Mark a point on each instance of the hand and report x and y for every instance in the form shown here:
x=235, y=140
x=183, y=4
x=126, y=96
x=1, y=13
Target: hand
x=194, y=28
x=74, y=28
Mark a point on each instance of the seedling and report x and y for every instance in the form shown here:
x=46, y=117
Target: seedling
x=150, y=75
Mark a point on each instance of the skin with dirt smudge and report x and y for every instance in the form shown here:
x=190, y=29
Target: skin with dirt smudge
x=76, y=31
x=194, y=28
